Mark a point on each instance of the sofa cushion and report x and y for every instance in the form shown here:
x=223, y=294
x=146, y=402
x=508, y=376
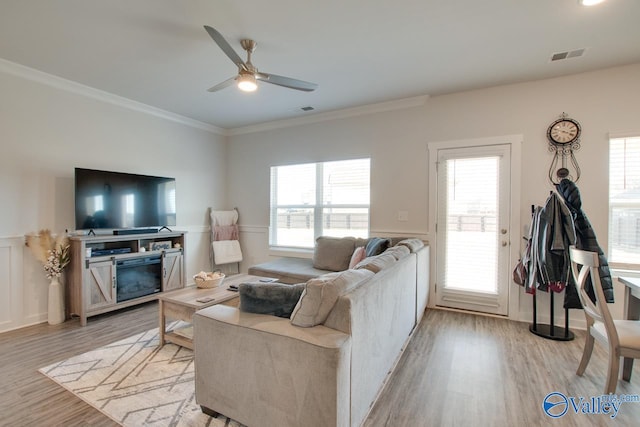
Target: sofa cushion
x=376, y=263
x=412, y=244
x=269, y=298
x=288, y=270
x=362, y=241
x=398, y=252
x=358, y=255
x=321, y=294
x=376, y=246
x=333, y=253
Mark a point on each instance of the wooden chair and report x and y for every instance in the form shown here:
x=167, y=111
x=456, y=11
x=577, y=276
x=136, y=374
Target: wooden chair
x=621, y=336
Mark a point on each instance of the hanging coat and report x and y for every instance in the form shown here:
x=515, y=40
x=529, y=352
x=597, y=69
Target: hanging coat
x=529, y=276
x=545, y=262
x=554, y=236
x=585, y=240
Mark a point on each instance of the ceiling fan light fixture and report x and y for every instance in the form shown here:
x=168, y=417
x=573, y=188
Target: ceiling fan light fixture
x=247, y=73
x=247, y=82
x=589, y=2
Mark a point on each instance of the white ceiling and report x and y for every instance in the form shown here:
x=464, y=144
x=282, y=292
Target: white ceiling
x=360, y=52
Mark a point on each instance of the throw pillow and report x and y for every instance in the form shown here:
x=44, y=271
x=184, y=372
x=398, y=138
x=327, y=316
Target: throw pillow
x=276, y=299
x=321, y=294
x=333, y=253
x=376, y=263
x=398, y=252
x=358, y=255
x=412, y=244
x=376, y=246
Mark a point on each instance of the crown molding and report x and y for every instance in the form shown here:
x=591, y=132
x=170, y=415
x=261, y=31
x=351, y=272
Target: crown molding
x=363, y=110
x=37, y=76
x=60, y=83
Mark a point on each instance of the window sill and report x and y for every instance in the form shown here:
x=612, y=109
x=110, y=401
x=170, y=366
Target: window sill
x=629, y=272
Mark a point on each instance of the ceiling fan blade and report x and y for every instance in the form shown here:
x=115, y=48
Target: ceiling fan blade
x=226, y=47
x=286, y=82
x=222, y=85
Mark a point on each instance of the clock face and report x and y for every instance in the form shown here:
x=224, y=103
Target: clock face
x=563, y=131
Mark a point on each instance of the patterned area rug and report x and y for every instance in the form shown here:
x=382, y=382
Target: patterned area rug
x=136, y=383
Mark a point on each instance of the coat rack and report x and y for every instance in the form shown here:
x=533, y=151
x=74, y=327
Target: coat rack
x=551, y=331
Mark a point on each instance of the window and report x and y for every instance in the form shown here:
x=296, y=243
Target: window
x=624, y=202
x=319, y=199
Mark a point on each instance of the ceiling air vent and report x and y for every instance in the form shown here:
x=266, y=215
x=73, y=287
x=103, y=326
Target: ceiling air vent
x=307, y=108
x=568, y=54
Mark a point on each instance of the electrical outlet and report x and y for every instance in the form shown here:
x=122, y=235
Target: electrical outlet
x=403, y=216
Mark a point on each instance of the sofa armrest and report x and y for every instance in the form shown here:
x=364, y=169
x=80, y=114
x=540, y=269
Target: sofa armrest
x=262, y=370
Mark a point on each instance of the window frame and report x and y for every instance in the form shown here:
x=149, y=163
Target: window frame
x=617, y=265
x=318, y=207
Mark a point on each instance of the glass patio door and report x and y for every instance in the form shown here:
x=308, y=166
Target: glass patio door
x=473, y=217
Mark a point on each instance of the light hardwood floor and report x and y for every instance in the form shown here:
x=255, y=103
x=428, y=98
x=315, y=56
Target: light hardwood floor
x=461, y=369
x=458, y=370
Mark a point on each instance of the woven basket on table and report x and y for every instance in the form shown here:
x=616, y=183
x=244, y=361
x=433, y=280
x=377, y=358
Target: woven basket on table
x=209, y=283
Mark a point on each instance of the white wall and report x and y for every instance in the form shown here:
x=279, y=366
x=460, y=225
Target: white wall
x=604, y=101
x=45, y=132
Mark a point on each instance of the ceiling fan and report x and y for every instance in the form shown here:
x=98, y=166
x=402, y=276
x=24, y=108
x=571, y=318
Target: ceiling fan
x=248, y=74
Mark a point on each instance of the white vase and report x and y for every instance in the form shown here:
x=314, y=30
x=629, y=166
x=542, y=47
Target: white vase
x=56, y=302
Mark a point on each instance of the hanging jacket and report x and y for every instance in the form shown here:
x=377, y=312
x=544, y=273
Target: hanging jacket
x=545, y=263
x=555, y=234
x=531, y=278
x=585, y=240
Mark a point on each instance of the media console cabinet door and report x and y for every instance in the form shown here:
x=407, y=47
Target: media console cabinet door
x=172, y=271
x=100, y=284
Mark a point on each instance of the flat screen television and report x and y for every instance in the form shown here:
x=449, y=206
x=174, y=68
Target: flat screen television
x=115, y=200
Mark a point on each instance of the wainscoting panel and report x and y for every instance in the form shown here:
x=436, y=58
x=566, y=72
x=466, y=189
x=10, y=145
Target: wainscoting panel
x=196, y=250
x=6, y=290
x=13, y=313
x=254, y=241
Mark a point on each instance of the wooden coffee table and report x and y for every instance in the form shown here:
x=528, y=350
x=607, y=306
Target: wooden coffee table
x=183, y=303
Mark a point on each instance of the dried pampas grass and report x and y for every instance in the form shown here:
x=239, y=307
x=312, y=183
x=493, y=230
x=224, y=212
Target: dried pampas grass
x=42, y=243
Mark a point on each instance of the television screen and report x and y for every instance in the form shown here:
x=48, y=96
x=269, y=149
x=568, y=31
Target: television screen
x=117, y=200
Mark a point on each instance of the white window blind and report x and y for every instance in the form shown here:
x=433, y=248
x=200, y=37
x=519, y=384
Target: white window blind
x=624, y=202
x=319, y=199
x=470, y=201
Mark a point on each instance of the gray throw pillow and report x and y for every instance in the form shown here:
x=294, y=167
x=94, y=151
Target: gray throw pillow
x=333, y=253
x=276, y=299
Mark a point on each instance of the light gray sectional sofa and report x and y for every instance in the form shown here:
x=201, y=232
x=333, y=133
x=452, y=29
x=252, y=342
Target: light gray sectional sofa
x=326, y=365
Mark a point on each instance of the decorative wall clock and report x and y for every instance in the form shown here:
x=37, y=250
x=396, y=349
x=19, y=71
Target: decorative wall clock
x=564, y=138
